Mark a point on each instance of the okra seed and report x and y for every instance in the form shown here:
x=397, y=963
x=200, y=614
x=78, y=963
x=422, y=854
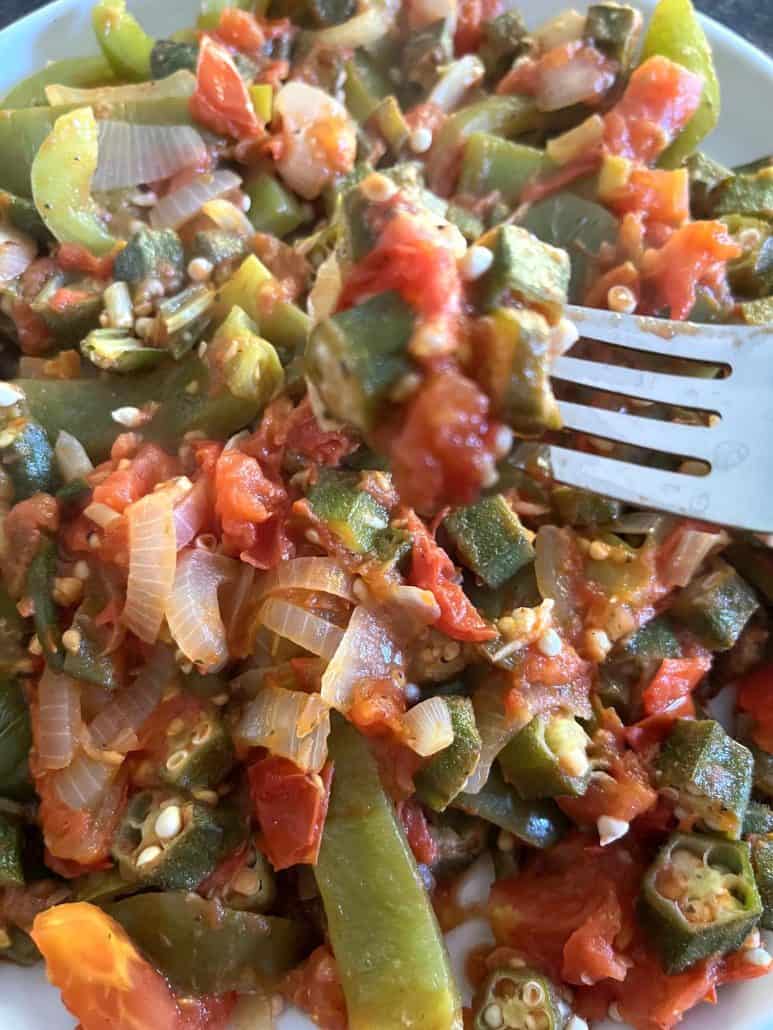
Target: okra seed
x=144, y=327
x=420, y=140
x=176, y=760
x=148, y=855
x=476, y=262
x=34, y=646
x=220, y=700
x=597, y=644
x=622, y=300
x=492, y=1016
x=378, y=188
x=532, y=994
x=169, y=823
x=550, y=644
x=71, y=640
x=200, y=270
x=67, y=591
x=128, y=416
x=599, y=551
x=610, y=829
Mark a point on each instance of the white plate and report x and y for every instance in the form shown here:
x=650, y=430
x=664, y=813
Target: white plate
x=63, y=29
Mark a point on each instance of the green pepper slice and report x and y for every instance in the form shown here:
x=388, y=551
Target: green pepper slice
x=114, y=350
x=490, y=539
x=388, y=947
x=716, y=607
x=541, y=824
x=249, y=365
x=122, y=39
x=27, y=457
x=517, y=999
x=444, y=776
x=150, y=253
x=273, y=208
x=699, y=899
x=76, y=72
x=548, y=758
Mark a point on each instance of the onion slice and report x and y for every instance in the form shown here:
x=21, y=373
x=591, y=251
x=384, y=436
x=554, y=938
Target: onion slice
x=133, y=154
x=17, y=252
x=116, y=726
x=322, y=574
x=190, y=513
x=152, y=558
x=193, y=610
x=182, y=204
x=495, y=731
x=84, y=781
x=426, y=728
x=367, y=651
x=59, y=719
x=693, y=547
x=228, y=217
x=180, y=85
x=301, y=627
x=290, y=724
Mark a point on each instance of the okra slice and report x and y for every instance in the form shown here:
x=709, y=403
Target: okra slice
x=251, y=887
x=762, y=863
x=151, y=254
x=746, y=195
x=716, y=607
x=541, y=824
x=751, y=274
x=11, y=842
x=27, y=457
x=199, y=751
x=426, y=52
x=615, y=30
x=758, y=821
x=581, y=508
x=115, y=350
x=355, y=358
x=168, y=840
x=40, y=587
x=548, y=758
x=699, y=898
x=490, y=539
x=182, y=320
x=710, y=773
x=517, y=999
x=444, y=776
x=524, y=269
x=504, y=39
x=633, y=662
x=352, y=514
x=217, y=246
x=248, y=364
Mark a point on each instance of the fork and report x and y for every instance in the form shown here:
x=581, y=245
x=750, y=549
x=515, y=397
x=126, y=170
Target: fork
x=737, y=446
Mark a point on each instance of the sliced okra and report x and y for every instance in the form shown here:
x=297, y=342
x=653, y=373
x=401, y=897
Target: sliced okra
x=548, y=758
x=716, y=607
x=199, y=752
x=445, y=774
x=490, y=540
x=517, y=999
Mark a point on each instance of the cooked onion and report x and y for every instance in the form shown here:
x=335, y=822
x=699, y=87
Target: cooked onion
x=426, y=728
x=71, y=457
x=193, y=610
x=152, y=558
x=178, y=207
x=59, y=719
x=228, y=217
x=323, y=298
x=117, y=724
x=17, y=252
x=693, y=548
x=306, y=111
x=130, y=155
x=289, y=723
x=322, y=574
x=84, y=781
x=458, y=78
x=495, y=731
x=367, y=651
x=553, y=564
x=572, y=83
x=178, y=86
x=301, y=627
x=190, y=513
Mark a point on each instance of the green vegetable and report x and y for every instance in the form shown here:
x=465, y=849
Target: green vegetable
x=61, y=176
x=273, y=208
x=200, y=754
x=389, y=122
x=758, y=820
x=705, y=175
x=15, y=740
x=540, y=824
x=13, y=637
x=211, y=10
x=104, y=886
x=517, y=999
x=22, y=214
x=94, y=662
x=751, y=274
x=389, y=950
x=524, y=269
x=633, y=662
x=675, y=32
x=365, y=87
x=755, y=563
x=757, y=312
x=181, y=320
x=71, y=322
x=218, y=246
x=426, y=51
x=581, y=508
x=11, y=841
x=356, y=357
x=710, y=772
x=750, y=194
x=352, y=514
x=249, y=365
x=150, y=254
x=168, y=56
x=762, y=863
x=716, y=607
x=548, y=758
x=445, y=774
x=76, y=72
x=40, y=587
x=27, y=457
x=504, y=39
x=490, y=540
x=203, y=948
x=252, y=885
x=122, y=39
x=699, y=899
x=495, y=165
x=114, y=350
x=614, y=29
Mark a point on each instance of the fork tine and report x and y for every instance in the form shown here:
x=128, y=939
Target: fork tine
x=657, y=335
x=651, y=433
x=683, y=391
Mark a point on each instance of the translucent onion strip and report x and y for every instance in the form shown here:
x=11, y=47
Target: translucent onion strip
x=193, y=611
x=177, y=86
x=190, y=513
x=178, y=207
x=130, y=155
x=71, y=457
x=323, y=574
x=495, y=730
x=17, y=252
x=84, y=781
x=228, y=217
x=116, y=726
x=152, y=559
x=367, y=651
x=290, y=724
x=301, y=627
x=427, y=728
x=59, y=719
x=691, y=551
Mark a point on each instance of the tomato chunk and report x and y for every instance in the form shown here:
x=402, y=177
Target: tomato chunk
x=755, y=696
x=221, y=101
x=291, y=807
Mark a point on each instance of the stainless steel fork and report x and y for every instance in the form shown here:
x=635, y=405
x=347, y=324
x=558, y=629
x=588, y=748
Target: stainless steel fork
x=737, y=446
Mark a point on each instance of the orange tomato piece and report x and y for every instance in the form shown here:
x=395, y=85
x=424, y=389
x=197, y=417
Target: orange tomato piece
x=316, y=988
x=658, y=195
x=755, y=696
x=221, y=101
x=124, y=486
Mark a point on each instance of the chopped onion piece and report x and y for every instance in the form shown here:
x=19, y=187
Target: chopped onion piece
x=180, y=85
x=693, y=548
x=426, y=728
x=564, y=28
x=117, y=724
x=228, y=217
x=459, y=77
x=59, y=719
x=152, y=559
x=323, y=298
x=193, y=610
x=579, y=80
x=178, y=207
x=367, y=651
x=553, y=565
x=83, y=782
x=71, y=457
x=289, y=723
x=323, y=574
x=301, y=627
x=130, y=155
x=190, y=512
x=17, y=252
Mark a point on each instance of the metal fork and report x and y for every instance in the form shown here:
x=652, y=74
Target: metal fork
x=738, y=446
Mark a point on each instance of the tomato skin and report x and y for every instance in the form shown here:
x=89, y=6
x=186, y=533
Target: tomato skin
x=34, y=335
x=417, y=832
x=623, y=793
x=221, y=101
x=541, y=685
x=72, y=257
x=291, y=807
x=315, y=988
x=124, y=486
x=674, y=680
x=24, y=527
x=432, y=569
x=755, y=696
x=252, y=510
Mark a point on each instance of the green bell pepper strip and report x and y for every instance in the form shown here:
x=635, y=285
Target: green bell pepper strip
x=114, y=350
x=249, y=365
x=61, y=182
x=103, y=887
x=547, y=758
x=22, y=214
x=365, y=86
x=13, y=636
x=388, y=947
x=76, y=72
x=40, y=587
x=356, y=357
x=762, y=863
x=93, y=662
x=540, y=824
x=494, y=165
x=489, y=539
x=716, y=607
x=200, y=754
x=122, y=40
x=389, y=122
x=15, y=741
x=675, y=32
x=150, y=253
x=758, y=821
x=352, y=514
x=445, y=774
x=11, y=842
x=698, y=899
x=517, y=999
x=203, y=948
x=28, y=458
x=273, y=208
x=710, y=772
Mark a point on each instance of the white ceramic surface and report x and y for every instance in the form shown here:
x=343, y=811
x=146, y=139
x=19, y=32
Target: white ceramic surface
x=63, y=29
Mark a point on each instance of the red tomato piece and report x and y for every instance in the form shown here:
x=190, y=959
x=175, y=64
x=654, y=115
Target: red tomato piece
x=240, y=30
x=432, y=569
x=221, y=101
x=315, y=988
x=755, y=696
x=124, y=486
x=540, y=684
x=83, y=836
x=34, y=335
x=624, y=792
x=291, y=807
x=72, y=257
x=24, y=527
x=252, y=510
x=658, y=195
x=589, y=954
x=471, y=15
x=674, y=680
x=417, y=832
